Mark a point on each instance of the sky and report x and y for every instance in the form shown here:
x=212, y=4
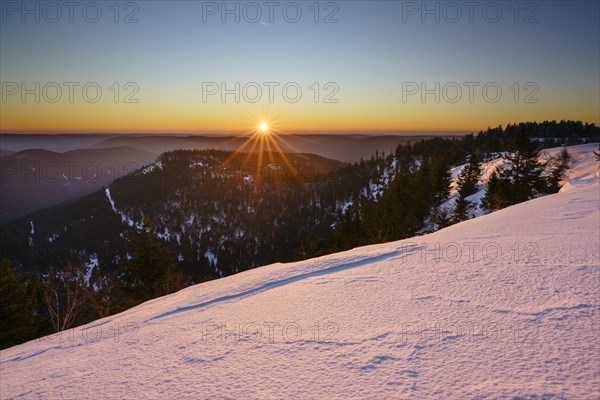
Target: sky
x=394, y=66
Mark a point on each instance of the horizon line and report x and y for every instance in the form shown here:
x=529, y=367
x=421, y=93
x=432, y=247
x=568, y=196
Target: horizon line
x=243, y=133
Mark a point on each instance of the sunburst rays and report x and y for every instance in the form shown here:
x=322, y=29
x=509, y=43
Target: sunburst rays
x=264, y=138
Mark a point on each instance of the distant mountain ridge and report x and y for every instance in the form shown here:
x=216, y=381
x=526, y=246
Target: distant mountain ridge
x=37, y=178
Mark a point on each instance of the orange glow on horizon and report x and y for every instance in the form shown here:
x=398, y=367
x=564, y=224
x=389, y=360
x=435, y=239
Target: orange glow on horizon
x=187, y=118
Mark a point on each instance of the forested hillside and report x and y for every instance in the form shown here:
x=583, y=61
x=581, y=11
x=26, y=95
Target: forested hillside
x=199, y=215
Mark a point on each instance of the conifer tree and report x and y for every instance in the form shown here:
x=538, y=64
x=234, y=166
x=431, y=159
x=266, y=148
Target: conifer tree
x=20, y=309
x=497, y=194
x=469, y=176
x=558, y=167
x=525, y=175
x=466, y=186
x=152, y=271
x=522, y=181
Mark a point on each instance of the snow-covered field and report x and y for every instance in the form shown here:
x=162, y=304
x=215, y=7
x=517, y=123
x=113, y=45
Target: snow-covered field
x=503, y=306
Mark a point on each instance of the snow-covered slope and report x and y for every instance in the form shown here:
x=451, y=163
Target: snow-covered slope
x=583, y=166
x=502, y=306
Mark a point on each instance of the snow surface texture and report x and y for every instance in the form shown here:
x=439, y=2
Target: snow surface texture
x=505, y=306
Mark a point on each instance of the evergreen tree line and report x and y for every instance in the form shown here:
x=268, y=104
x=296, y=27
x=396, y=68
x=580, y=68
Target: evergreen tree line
x=421, y=185
x=246, y=223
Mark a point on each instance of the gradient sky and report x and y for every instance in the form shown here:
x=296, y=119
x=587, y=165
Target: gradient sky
x=370, y=54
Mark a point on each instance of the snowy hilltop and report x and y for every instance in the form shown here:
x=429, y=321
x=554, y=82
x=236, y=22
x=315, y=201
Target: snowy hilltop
x=583, y=167
x=505, y=306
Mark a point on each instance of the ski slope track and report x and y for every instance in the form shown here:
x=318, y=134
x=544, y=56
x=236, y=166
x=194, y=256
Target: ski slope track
x=504, y=306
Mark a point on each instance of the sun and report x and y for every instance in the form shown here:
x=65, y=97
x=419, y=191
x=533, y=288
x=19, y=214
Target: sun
x=263, y=127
